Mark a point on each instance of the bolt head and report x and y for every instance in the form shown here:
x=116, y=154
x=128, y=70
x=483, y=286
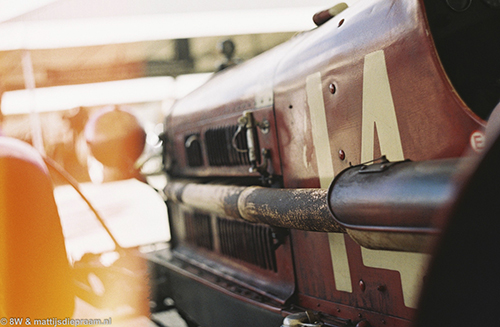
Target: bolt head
x=362, y=285
x=332, y=88
x=363, y=323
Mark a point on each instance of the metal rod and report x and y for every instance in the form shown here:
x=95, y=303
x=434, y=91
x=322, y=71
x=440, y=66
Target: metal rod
x=58, y=169
x=305, y=209
x=29, y=82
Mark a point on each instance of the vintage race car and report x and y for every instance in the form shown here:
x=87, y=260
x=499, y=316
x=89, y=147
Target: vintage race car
x=309, y=185
x=347, y=177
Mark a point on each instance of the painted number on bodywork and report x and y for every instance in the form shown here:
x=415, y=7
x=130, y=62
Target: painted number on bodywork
x=379, y=115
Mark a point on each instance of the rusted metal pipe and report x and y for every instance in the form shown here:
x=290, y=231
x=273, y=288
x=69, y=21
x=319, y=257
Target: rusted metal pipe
x=387, y=205
x=217, y=199
x=304, y=209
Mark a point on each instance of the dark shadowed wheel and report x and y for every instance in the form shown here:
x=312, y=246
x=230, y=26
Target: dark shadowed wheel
x=464, y=278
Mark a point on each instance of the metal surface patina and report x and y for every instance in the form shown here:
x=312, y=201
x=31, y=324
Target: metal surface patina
x=278, y=203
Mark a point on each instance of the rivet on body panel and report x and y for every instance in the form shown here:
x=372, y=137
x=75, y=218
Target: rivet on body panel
x=341, y=154
x=362, y=285
x=332, y=88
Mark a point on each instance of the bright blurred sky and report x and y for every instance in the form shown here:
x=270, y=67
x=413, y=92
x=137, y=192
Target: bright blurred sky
x=78, y=23
x=105, y=30
x=12, y=8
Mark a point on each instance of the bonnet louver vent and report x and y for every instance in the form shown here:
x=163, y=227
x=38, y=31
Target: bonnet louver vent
x=219, y=147
x=199, y=230
x=248, y=242
x=251, y=243
x=193, y=150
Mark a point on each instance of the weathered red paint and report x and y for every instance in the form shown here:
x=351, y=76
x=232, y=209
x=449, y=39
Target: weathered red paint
x=433, y=122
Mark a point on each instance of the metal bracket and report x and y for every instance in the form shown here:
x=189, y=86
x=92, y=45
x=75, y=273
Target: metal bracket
x=302, y=319
x=248, y=122
x=375, y=166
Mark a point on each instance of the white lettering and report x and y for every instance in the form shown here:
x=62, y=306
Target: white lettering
x=321, y=141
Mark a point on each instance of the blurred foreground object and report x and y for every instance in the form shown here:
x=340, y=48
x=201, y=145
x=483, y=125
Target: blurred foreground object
x=34, y=270
x=116, y=139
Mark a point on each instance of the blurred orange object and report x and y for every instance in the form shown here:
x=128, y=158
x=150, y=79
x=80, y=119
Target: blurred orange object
x=35, y=276
x=116, y=139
